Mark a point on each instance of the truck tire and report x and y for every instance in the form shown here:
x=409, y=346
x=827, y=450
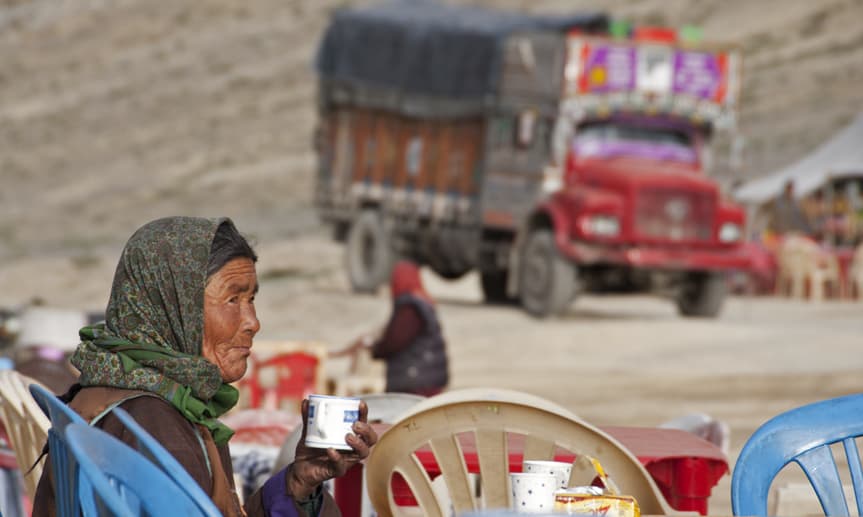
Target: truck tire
x=702, y=295
x=493, y=285
x=547, y=281
x=369, y=254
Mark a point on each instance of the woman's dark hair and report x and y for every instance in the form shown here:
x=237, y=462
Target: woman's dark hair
x=227, y=245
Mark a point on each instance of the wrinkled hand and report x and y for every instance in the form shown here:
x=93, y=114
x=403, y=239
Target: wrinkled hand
x=314, y=466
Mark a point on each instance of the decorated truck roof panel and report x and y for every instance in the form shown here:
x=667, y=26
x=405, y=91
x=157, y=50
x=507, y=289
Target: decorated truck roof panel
x=648, y=76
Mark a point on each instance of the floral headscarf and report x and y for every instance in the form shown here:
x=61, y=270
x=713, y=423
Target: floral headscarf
x=154, y=327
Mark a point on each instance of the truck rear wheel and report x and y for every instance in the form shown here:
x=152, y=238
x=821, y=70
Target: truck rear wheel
x=493, y=285
x=702, y=295
x=547, y=281
x=369, y=254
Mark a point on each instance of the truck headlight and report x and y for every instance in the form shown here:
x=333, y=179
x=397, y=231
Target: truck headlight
x=730, y=232
x=602, y=225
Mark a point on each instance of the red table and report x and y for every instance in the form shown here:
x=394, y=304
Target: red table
x=685, y=467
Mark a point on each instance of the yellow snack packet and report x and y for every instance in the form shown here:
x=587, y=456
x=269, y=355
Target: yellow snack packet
x=576, y=500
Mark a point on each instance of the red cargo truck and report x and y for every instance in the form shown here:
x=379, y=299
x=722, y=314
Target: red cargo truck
x=541, y=152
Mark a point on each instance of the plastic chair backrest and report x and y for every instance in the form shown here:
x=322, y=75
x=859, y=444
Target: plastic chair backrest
x=799, y=259
x=491, y=415
x=63, y=465
x=117, y=480
x=284, y=371
x=791, y=266
x=26, y=426
x=165, y=461
x=802, y=435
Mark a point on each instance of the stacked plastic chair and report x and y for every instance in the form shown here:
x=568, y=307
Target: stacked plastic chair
x=84, y=488
x=800, y=260
x=162, y=459
x=63, y=465
x=26, y=426
x=117, y=480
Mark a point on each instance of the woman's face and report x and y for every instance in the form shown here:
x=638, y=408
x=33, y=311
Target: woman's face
x=230, y=322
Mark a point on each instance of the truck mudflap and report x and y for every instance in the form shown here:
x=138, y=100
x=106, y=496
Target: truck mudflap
x=655, y=257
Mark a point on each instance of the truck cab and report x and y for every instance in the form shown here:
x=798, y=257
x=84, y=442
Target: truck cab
x=633, y=207
x=635, y=212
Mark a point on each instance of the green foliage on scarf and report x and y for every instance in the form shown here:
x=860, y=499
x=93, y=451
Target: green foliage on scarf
x=154, y=327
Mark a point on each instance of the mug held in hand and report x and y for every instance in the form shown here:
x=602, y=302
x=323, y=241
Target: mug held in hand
x=330, y=419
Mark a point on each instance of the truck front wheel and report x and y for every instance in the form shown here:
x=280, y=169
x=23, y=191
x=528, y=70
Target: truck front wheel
x=547, y=281
x=702, y=294
x=369, y=254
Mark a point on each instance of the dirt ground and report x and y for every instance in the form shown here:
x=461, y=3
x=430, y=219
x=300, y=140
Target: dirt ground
x=115, y=113
x=615, y=360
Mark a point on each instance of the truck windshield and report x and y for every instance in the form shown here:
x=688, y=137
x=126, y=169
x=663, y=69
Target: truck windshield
x=608, y=139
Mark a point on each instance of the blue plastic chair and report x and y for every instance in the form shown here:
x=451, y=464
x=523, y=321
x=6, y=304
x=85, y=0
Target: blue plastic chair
x=802, y=435
x=165, y=461
x=122, y=482
x=63, y=466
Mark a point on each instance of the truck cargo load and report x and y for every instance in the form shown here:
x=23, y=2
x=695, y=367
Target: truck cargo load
x=424, y=58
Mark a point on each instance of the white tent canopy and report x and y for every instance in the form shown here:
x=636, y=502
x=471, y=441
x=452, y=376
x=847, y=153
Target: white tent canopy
x=841, y=156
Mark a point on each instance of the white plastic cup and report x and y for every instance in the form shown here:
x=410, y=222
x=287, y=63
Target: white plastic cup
x=330, y=420
x=559, y=469
x=532, y=493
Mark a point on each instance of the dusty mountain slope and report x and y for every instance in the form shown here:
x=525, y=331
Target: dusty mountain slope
x=113, y=113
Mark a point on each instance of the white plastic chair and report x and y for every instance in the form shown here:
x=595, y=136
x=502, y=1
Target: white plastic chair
x=801, y=259
x=26, y=425
x=492, y=415
x=824, y=272
x=791, y=278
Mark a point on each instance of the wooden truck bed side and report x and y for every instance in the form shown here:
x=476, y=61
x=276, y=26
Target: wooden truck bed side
x=407, y=166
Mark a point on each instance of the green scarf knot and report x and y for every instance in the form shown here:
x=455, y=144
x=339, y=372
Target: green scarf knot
x=183, y=380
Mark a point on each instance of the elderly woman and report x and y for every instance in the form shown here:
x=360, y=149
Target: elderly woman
x=179, y=328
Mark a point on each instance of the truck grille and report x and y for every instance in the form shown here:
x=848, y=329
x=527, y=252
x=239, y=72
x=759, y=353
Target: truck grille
x=674, y=215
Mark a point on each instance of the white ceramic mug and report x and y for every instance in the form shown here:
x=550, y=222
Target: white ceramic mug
x=532, y=493
x=559, y=469
x=330, y=419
